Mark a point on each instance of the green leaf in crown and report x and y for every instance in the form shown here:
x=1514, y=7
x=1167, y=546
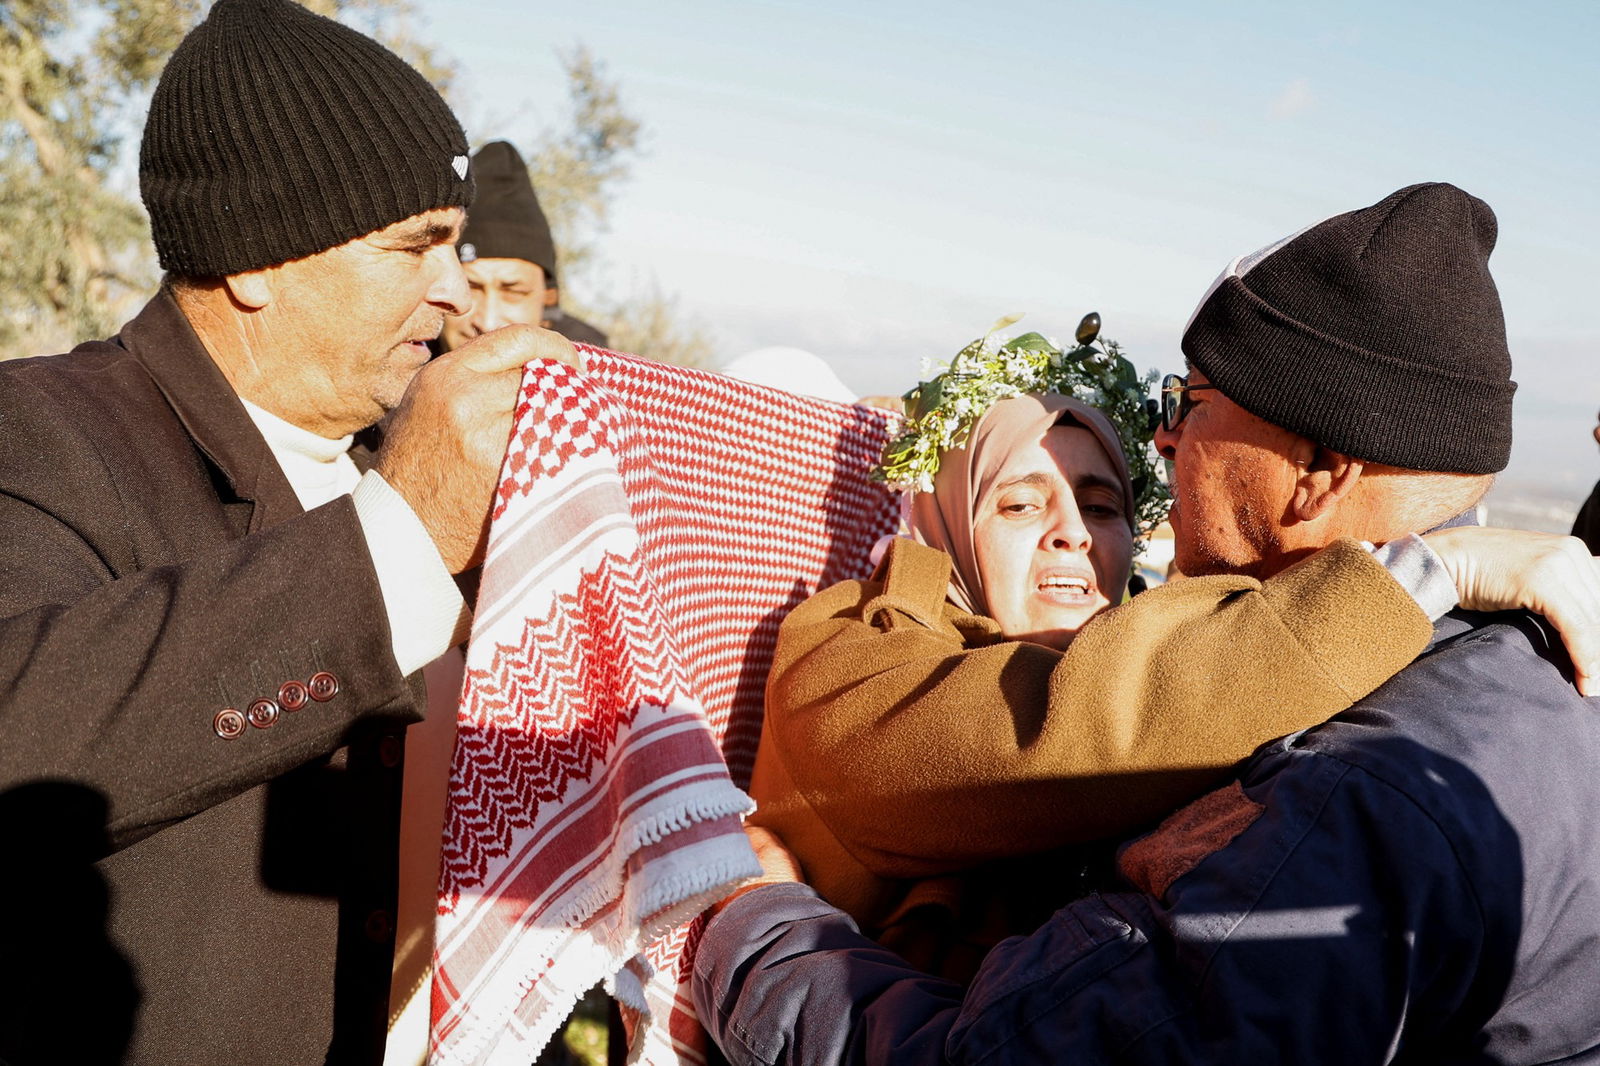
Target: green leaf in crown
x=941, y=411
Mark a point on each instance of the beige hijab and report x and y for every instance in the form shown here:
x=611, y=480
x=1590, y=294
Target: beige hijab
x=943, y=518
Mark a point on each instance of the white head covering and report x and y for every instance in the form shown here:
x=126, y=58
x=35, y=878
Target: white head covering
x=793, y=370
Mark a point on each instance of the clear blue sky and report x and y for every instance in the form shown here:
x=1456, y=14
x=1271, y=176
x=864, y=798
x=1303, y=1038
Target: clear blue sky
x=877, y=182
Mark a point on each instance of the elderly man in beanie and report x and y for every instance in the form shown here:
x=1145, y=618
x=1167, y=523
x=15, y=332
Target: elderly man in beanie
x=212, y=624
x=1417, y=879
x=509, y=256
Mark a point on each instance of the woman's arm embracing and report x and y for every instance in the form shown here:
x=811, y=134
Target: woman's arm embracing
x=927, y=746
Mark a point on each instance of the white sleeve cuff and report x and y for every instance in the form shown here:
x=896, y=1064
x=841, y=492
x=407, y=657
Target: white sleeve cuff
x=426, y=612
x=1421, y=572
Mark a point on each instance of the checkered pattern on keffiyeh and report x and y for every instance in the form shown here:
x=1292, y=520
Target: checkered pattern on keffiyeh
x=652, y=527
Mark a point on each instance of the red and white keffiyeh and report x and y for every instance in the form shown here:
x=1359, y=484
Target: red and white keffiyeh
x=653, y=526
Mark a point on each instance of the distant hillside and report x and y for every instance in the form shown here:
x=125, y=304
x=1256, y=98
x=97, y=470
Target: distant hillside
x=1521, y=504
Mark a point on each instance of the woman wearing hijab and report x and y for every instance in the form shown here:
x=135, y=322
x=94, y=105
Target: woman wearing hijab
x=944, y=743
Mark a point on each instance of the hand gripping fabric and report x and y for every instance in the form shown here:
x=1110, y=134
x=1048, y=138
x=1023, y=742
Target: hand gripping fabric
x=653, y=525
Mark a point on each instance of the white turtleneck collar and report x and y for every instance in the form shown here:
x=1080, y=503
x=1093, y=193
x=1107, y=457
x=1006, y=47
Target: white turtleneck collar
x=318, y=469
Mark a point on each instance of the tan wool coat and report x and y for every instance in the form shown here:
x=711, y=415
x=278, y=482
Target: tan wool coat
x=910, y=754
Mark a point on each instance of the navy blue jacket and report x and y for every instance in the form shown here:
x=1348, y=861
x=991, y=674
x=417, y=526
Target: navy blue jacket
x=1417, y=880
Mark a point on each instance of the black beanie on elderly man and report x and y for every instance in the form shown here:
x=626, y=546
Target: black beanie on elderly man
x=1376, y=333
x=506, y=221
x=275, y=133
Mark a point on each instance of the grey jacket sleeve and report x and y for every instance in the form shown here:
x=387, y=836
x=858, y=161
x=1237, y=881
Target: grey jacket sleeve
x=782, y=977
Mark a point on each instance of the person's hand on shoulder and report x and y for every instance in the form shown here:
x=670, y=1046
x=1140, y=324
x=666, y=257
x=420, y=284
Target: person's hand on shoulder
x=1549, y=574
x=447, y=439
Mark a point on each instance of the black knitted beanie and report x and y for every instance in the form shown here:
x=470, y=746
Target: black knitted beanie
x=275, y=133
x=506, y=221
x=1376, y=333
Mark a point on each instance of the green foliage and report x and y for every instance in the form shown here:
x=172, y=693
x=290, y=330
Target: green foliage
x=943, y=409
x=390, y=22
x=577, y=165
x=576, y=168
x=76, y=74
x=652, y=325
x=73, y=260
x=586, y=1038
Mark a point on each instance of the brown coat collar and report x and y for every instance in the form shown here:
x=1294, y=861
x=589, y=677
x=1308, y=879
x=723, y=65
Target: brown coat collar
x=162, y=340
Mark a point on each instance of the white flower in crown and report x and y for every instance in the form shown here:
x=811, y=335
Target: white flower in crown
x=941, y=411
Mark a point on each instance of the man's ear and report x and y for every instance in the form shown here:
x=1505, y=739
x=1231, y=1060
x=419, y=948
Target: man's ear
x=252, y=289
x=1326, y=478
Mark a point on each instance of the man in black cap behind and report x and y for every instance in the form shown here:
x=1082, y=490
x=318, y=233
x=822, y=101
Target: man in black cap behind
x=212, y=624
x=510, y=257
x=1418, y=879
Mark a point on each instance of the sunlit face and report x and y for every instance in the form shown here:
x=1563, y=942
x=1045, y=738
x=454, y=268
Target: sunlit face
x=1052, y=538
x=504, y=291
x=351, y=324
x=1232, y=486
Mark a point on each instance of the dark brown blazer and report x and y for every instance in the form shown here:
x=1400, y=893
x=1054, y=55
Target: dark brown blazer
x=177, y=893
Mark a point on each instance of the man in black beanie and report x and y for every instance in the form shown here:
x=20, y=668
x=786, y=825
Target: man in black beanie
x=509, y=256
x=1416, y=880
x=213, y=626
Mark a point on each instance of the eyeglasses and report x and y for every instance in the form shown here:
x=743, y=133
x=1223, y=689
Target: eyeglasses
x=1175, y=402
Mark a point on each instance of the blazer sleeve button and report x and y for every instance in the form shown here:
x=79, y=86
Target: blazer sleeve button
x=263, y=713
x=228, y=723
x=323, y=686
x=292, y=695
x=390, y=752
x=379, y=926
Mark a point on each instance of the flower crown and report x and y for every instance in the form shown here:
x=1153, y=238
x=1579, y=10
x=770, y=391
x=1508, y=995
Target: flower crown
x=941, y=411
